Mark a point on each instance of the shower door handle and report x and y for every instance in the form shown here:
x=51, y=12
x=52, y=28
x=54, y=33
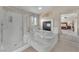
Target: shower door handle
x=2, y=32
x=1, y=25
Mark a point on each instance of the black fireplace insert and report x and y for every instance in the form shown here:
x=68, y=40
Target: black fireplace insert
x=47, y=25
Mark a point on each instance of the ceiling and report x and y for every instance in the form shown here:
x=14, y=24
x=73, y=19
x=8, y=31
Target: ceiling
x=34, y=9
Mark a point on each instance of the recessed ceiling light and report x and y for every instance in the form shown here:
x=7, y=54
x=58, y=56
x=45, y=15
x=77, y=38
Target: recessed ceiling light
x=39, y=8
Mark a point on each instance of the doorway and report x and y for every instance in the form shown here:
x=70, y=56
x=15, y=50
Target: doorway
x=69, y=23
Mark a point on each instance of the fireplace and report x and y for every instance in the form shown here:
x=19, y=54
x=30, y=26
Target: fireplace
x=47, y=25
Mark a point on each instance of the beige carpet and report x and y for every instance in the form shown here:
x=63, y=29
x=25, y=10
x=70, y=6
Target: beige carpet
x=65, y=46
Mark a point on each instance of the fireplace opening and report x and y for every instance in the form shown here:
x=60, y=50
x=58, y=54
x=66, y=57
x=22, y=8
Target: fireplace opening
x=47, y=25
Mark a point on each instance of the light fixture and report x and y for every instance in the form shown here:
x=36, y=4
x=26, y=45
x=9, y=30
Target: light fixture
x=39, y=8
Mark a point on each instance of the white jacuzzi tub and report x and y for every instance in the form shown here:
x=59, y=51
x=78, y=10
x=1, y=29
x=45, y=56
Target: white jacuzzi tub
x=44, y=41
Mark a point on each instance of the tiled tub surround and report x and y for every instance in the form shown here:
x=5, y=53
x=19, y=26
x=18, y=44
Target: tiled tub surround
x=44, y=40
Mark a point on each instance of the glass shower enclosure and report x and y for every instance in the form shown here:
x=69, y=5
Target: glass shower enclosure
x=11, y=31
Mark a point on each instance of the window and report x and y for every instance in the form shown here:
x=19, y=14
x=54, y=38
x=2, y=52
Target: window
x=34, y=20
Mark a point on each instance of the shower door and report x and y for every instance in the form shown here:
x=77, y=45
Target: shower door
x=12, y=31
x=1, y=19
x=0, y=32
